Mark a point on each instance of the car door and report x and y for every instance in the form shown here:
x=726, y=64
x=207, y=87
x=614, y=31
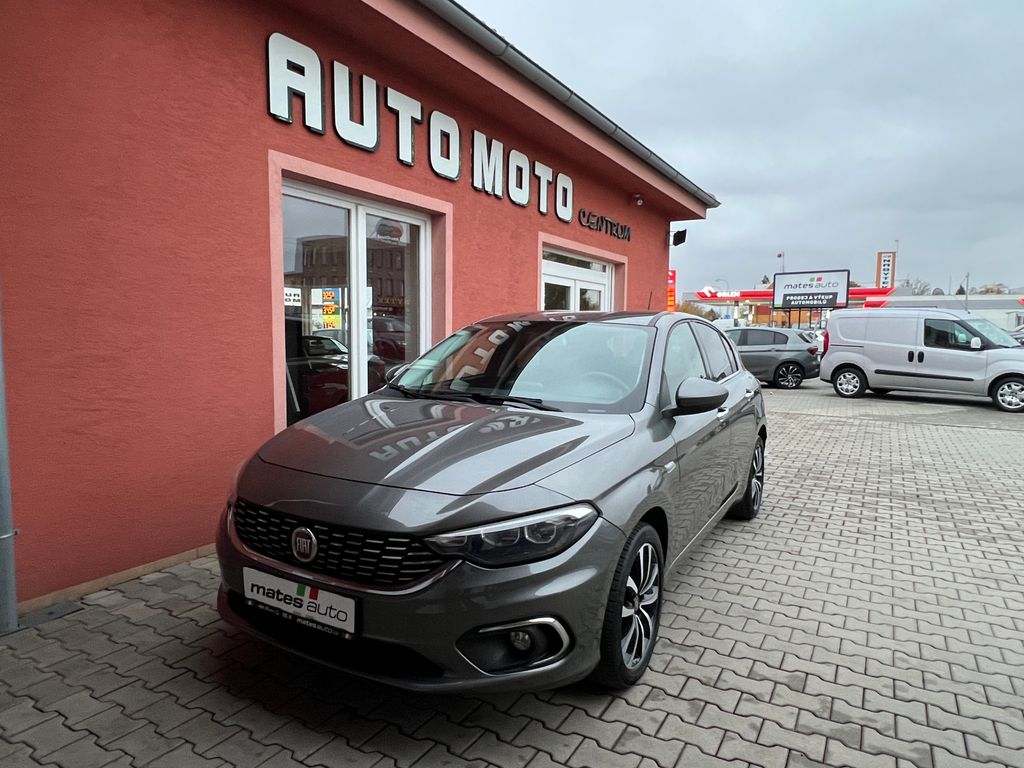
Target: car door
x=761, y=351
x=737, y=415
x=701, y=442
x=946, y=361
x=892, y=348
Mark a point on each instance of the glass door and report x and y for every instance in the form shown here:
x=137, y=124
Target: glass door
x=392, y=248
x=317, y=254
x=355, y=300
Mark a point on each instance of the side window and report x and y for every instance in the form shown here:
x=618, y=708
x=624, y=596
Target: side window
x=760, y=338
x=682, y=358
x=946, y=334
x=720, y=363
x=780, y=339
x=732, y=357
x=736, y=336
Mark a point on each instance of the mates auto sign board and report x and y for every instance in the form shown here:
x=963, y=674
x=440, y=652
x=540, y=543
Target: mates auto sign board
x=811, y=290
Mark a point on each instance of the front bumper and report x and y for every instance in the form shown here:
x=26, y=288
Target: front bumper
x=409, y=639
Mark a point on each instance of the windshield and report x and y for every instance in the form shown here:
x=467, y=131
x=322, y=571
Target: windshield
x=992, y=332
x=321, y=346
x=574, y=366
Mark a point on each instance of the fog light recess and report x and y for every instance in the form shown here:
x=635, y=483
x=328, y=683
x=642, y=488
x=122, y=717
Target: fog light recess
x=516, y=646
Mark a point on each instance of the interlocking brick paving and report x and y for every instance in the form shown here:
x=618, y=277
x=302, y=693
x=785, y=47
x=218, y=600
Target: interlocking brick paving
x=872, y=615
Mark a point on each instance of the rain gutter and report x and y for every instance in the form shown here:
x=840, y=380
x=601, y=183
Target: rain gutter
x=8, y=591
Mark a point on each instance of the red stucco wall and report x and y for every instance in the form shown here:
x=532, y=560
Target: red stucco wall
x=134, y=252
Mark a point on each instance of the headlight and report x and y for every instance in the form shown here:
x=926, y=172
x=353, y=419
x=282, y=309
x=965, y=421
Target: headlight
x=520, y=540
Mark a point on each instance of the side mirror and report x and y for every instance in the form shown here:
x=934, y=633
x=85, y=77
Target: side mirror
x=975, y=343
x=697, y=396
x=395, y=371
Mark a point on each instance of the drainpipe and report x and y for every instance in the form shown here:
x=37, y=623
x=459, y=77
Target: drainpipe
x=8, y=593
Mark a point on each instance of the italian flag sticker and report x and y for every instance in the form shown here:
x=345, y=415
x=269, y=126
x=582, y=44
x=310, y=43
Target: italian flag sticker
x=300, y=590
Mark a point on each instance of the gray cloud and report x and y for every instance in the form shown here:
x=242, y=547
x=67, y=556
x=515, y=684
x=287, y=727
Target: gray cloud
x=827, y=129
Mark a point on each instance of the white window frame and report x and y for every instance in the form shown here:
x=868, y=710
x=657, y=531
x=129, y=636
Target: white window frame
x=357, y=210
x=579, y=277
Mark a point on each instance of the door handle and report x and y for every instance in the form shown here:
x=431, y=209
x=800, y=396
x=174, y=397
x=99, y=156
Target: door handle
x=749, y=394
x=910, y=357
x=920, y=357
x=723, y=413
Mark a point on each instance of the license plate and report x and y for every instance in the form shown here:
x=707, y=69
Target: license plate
x=300, y=600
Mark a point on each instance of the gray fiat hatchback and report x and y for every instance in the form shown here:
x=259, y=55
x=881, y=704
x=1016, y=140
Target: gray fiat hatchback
x=504, y=513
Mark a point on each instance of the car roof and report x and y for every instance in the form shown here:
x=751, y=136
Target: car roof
x=628, y=317
x=958, y=313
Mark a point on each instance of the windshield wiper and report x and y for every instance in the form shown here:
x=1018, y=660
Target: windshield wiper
x=404, y=390
x=474, y=397
x=533, y=402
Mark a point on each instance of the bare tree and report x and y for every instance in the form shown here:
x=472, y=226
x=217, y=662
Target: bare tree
x=692, y=309
x=917, y=285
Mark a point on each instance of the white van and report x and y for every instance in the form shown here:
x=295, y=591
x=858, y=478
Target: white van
x=925, y=350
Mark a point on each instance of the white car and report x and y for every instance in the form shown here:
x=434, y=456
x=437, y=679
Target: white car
x=926, y=350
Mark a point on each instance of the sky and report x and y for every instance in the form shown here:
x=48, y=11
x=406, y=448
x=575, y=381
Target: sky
x=828, y=129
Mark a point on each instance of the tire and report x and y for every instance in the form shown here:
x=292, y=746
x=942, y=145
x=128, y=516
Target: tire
x=748, y=507
x=789, y=376
x=633, y=612
x=849, y=382
x=1008, y=394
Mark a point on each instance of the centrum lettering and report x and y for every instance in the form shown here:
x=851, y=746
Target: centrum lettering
x=599, y=223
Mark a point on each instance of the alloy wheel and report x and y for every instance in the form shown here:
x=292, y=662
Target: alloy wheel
x=789, y=376
x=1011, y=395
x=640, y=606
x=757, y=476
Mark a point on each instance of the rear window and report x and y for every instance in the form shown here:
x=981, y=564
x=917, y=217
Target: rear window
x=758, y=337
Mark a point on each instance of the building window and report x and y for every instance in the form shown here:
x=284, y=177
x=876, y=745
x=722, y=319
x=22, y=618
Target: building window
x=575, y=284
x=372, y=326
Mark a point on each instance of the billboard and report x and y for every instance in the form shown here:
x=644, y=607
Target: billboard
x=885, y=270
x=811, y=290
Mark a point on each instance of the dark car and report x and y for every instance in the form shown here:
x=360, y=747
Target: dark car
x=782, y=356
x=318, y=375
x=390, y=337
x=503, y=514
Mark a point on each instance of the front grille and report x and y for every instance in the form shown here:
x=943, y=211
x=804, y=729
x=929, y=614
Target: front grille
x=363, y=557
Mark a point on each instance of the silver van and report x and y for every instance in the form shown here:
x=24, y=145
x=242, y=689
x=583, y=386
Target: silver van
x=924, y=350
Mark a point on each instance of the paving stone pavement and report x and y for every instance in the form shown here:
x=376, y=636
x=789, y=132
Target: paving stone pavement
x=872, y=615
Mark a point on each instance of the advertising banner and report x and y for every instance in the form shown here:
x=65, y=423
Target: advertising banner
x=811, y=290
x=885, y=270
x=671, y=290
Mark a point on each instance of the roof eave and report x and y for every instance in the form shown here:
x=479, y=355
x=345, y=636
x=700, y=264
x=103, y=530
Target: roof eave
x=497, y=46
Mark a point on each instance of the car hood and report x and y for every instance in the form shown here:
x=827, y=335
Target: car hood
x=442, y=446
